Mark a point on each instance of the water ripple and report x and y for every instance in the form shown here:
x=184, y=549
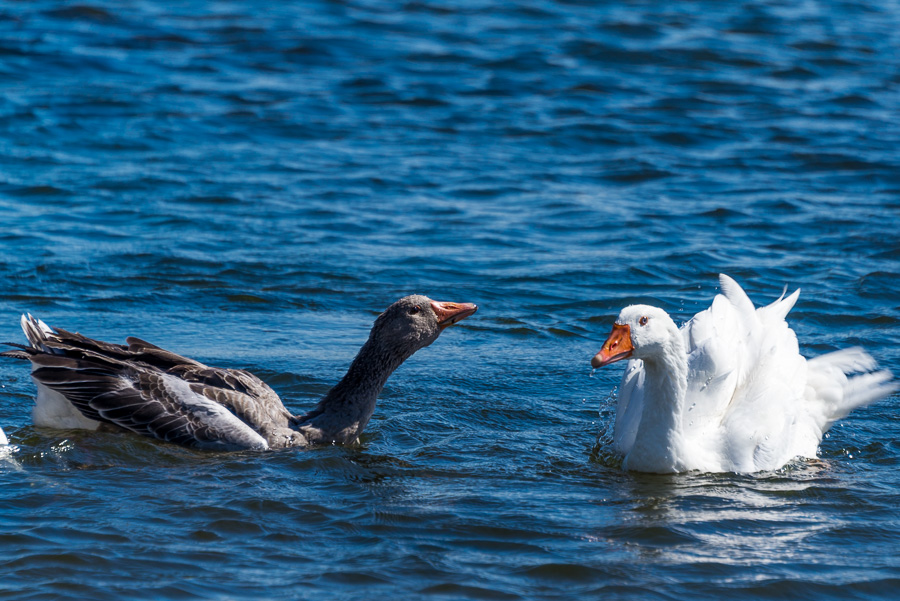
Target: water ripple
x=250, y=187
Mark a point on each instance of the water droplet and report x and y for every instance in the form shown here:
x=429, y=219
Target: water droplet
x=592, y=373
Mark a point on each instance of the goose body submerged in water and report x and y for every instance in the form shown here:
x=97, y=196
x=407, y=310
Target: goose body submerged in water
x=85, y=383
x=729, y=391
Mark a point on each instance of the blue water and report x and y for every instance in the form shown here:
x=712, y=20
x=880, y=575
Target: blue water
x=249, y=184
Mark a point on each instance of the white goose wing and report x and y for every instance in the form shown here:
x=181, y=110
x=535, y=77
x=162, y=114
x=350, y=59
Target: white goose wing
x=765, y=382
x=737, y=356
x=716, y=358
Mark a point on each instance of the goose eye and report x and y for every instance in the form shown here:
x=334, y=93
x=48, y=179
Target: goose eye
x=643, y=321
x=415, y=310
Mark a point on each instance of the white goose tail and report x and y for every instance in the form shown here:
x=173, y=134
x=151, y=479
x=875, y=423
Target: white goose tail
x=846, y=379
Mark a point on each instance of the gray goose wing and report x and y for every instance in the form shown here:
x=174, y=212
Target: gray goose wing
x=251, y=399
x=155, y=392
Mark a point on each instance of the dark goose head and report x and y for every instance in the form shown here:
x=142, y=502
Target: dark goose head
x=414, y=322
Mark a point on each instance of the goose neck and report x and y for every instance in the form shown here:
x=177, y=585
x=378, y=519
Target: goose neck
x=346, y=409
x=659, y=441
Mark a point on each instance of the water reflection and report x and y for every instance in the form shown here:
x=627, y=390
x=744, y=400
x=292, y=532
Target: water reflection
x=728, y=519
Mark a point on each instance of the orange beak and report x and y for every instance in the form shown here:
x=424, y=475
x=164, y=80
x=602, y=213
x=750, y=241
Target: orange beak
x=617, y=347
x=449, y=313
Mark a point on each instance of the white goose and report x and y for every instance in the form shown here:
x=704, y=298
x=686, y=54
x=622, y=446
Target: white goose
x=729, y=391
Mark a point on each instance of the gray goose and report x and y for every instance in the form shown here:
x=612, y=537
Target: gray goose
x=86, y=383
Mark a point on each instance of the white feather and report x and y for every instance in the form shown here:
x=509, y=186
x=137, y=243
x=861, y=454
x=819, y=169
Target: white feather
x=52, y=410
x=214, y=414
x=750, y=401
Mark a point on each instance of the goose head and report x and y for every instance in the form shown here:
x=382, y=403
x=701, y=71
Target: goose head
x=415, y=321
x=640, y=332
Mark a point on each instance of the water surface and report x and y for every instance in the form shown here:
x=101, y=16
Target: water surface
x=251, y=185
